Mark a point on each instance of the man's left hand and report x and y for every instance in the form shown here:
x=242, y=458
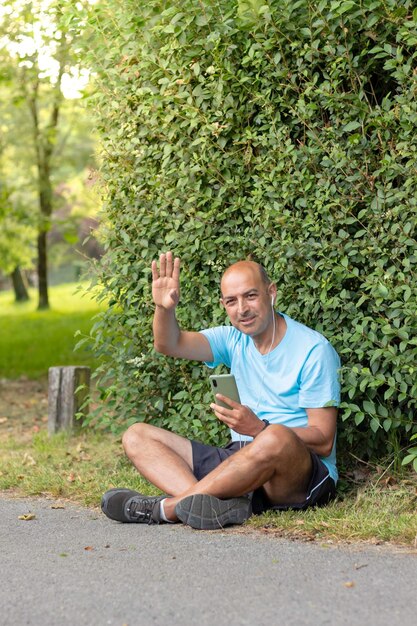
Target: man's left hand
x=239, y=417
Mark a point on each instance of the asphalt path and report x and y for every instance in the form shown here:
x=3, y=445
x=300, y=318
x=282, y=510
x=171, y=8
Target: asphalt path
x=74, y=566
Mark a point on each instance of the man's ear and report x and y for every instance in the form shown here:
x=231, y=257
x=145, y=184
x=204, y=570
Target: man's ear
x=272, y=290
x=222, y=303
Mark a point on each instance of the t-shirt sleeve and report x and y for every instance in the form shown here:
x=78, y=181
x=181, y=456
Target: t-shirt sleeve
x=219, y=340
x=319, y=378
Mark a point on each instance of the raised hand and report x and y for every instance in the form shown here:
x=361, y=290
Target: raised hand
x=166, y=281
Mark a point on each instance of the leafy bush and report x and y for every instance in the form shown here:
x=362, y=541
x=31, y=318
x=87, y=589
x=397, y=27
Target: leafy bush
x=280, y=131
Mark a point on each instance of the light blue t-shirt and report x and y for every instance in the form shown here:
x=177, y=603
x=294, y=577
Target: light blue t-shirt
x=300, y=373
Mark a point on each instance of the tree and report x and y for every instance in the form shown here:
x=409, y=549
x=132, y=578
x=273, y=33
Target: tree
x=40, y=52
x=16, y=231
x=16, y=235
x=17, y=221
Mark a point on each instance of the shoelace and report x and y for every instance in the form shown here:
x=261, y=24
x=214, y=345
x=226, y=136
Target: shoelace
x=141, y=508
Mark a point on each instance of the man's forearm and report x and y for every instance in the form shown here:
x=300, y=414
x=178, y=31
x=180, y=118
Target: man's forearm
x=315, y=440
x=166, y=331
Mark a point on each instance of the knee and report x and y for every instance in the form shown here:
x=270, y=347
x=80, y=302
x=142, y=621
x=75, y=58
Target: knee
x=133, y=437
x=273, y=443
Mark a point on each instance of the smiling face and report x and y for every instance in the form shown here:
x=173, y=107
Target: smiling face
x=246, y=296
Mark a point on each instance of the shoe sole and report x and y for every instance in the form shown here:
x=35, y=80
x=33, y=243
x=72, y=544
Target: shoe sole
x=205, y=512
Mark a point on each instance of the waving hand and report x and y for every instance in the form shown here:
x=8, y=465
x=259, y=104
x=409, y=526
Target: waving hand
x=166, y=281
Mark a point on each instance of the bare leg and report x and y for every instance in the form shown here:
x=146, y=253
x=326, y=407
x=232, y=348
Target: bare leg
x=277, y=460
x=162, y=457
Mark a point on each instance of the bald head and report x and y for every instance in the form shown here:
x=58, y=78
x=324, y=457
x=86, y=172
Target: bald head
x=249, y=267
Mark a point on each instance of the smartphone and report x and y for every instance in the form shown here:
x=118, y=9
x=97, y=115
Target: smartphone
x=226, y=385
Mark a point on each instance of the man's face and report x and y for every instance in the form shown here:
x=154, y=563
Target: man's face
x=247, y=299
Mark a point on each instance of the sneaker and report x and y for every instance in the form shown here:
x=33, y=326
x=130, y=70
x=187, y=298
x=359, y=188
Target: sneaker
x=206, y=512
x=126, y=505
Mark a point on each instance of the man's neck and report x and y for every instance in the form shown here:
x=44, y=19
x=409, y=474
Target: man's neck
x=266, y=344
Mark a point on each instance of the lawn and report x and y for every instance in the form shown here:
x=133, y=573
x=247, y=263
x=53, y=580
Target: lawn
x=31, y=341
x=82, y=466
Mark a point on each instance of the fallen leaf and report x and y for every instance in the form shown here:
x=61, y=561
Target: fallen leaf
x=88, y=548
x=71, y=477
x=349, y=584
x=27, y=516
x=57, y=506
x=63, y=554
x=3, y=420
x=28, y=459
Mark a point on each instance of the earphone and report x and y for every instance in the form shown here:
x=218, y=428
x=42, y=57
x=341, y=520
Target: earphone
x=266, y=364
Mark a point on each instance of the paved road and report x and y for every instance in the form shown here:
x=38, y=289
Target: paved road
x=74, y=566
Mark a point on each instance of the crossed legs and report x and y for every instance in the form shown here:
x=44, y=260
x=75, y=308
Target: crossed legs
x=277, y=460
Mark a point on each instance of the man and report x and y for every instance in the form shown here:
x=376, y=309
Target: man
x=282, y=453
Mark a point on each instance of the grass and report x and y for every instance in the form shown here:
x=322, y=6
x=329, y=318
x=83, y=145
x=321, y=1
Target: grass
x=77, y=468
x=82, y=466
x=374, y=514
x=32, y=341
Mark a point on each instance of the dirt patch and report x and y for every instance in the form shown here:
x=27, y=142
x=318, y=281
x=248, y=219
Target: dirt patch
x=23, y=406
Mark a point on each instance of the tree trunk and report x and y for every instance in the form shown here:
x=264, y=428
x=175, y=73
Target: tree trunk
x=45, y=204
x=20, y=290
x=68, y=391
x=42, y=271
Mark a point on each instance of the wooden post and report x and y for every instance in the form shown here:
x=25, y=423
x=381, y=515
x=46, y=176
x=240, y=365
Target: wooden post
x=64, y=401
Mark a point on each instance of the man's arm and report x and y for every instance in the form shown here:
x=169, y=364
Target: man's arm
x=168, y=336
x=320, y=431
x=318, y=435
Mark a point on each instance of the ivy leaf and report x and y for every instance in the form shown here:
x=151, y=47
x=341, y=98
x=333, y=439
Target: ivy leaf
x=351, y=126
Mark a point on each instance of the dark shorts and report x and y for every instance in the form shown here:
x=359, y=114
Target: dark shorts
x=321, y=489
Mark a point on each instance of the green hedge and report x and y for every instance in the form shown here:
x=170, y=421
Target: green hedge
x=280, y=131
